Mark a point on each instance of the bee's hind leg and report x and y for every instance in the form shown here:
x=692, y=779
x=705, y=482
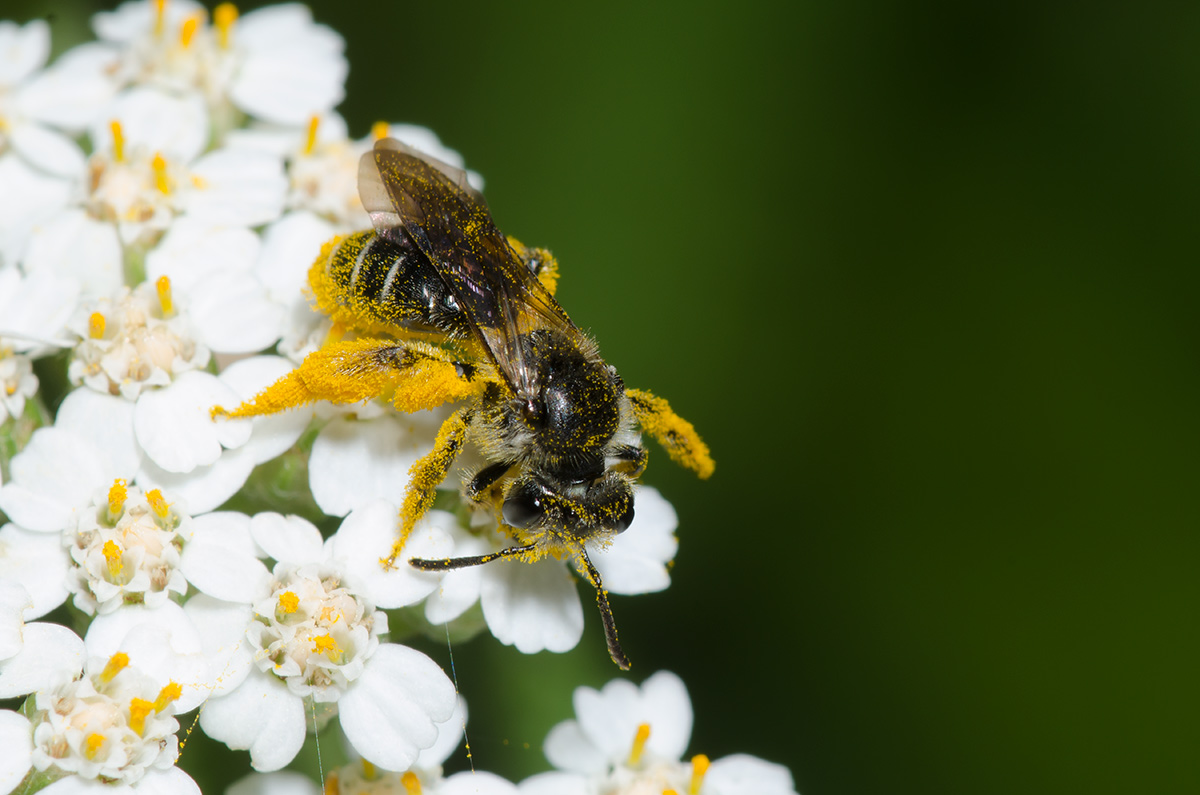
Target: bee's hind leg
x=415, y=375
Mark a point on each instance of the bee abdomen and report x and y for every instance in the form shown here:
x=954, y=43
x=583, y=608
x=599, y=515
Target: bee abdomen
x=390, y=283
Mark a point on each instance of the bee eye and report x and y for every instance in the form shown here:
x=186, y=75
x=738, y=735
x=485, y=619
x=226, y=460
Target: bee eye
x=524, y=506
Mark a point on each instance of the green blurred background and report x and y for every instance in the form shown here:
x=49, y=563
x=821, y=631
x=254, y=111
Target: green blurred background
x=923, y=274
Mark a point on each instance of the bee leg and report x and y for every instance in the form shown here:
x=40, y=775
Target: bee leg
x=540, y=262
x=674, y=433
x=416, y=374
x=484, y=479
x=426, y=474
x=606, y=616
x=634, y=456
x=446, y=564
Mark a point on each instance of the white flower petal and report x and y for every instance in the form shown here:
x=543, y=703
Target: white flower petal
x=23, y=50
x=160, y=642
x=14, y=601
x=450, y=737
x=476, y=782
x=635, y=562
x=50, y=656
x=153, y=121
x=232, y=313
x=354, y=462
x=222, y=628
x=74, y=90
x=175, y=428
x=742, y=774
x=274, y=434
x=237, y=186
x=191, y=250
x=290, y=245
x=54, y=476
x=389, y=713
x=367, y=535
x=48, y=150
x=220, y=559
x=555, y=783
x=37, y=561
x=459, y=589
x=74, y=244
x=16, y=738
x=107, y=421
x=204, y=488
x=568, y=748
x=77, y=785
x=171, y=781
x=261, y=716
x=665, y=701
x=285, y=782
x=532, y=606
x=288, y=539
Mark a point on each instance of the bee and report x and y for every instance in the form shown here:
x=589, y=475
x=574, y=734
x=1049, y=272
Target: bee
x=447, y=309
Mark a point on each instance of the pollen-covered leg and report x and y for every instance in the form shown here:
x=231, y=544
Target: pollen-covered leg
x=415, y=375
x=425, y=475
x=540, y=261
x=674, y=433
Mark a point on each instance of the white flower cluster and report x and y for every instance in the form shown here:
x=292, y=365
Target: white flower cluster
x=163, y=192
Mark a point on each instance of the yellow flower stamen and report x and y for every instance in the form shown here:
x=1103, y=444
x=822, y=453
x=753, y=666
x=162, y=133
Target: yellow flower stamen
x=369, y=771
x=331, y=785
x=188, y=31
x=112, y=555
x=325, y=644
x=168, y=695
x=412, y=784
x=155, y=498
x=96, y=325
x=224, y=16
x=379, y=130
x=139, y=708
x=92, y=745
x=159, y=166
x=160, y=14
x=699, y=769
x=114, y=666
x=117, y=494
x=310, y=140
x=289, y=602
x=670, y=792
x=118, y=140
x=639, y=743
x=163, y=285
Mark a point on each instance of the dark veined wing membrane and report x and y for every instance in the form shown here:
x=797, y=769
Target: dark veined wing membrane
x=404, y=189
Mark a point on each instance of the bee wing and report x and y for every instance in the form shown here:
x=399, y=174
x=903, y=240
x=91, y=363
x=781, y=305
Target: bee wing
x=406, y=191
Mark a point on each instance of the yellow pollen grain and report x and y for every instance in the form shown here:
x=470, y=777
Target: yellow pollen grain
x=157, y=504
x=96, y=325
x=325, y=644
x=159, y=166
x=369, y=771
x=118, y=140
x=139, y=708
x=412, y=784
x=310, y=140
x=188, y=30
x=114, y=666
x=112, y=555
x=639, y=743
x=160, y=14
x=289, y=602
x=92, y=745
x=699, y=769
x=163, y=285
x=379, y=130
x=117, y=494
x=224, y=16
x=168, y=695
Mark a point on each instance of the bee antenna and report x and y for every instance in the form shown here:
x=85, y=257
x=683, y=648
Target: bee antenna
x=610, y=626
